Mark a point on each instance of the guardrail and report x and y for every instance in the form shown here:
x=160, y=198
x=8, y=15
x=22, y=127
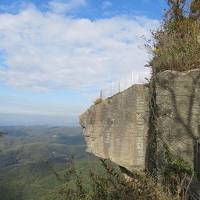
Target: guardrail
x=117, y=87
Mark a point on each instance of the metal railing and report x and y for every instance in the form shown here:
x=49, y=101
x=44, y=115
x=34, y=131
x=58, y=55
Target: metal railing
x=117, y=87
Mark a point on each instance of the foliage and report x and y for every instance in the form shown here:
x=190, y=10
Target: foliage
x=177, y=174
x=195, y=9
x=11, y=191
x=98, y=101
x=24, y=173
x=176, y=9
x=175, y=165
x=112, y=185
x=176, y=44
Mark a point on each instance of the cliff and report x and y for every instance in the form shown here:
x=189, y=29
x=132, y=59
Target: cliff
x=117, y=128
x=178, y=122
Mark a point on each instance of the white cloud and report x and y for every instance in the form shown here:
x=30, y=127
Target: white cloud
x=63, y=6
x=48, y=50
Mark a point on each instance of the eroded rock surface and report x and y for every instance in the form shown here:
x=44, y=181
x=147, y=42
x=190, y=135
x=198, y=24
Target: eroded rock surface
x=117, y=127
x=178, y=100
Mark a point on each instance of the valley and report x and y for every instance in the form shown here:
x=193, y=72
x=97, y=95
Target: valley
x=30, y=157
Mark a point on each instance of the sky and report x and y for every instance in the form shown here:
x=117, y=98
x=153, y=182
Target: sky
x=56, y=55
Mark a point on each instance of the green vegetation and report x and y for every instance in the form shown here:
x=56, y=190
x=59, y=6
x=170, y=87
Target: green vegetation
x=177, y=44
x=11, y=192
x=33, y=159
x=177, y=174
x=30, y=155
x=110, y=185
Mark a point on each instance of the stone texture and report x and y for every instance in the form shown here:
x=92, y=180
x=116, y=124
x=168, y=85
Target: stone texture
x=178, y=100
x=117, y=128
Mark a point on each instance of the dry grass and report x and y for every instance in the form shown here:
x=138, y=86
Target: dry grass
x=177, y=46
x=97, y=101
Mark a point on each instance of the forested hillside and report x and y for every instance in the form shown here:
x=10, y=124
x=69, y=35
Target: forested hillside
x=30, y=157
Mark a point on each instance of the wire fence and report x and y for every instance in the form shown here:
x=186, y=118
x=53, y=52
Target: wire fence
x=117, y=87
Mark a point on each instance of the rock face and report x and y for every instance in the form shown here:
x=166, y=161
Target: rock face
x=178, y=101
x=117, y=128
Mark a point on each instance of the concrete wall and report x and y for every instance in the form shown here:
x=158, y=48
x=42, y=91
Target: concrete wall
x=117, y=127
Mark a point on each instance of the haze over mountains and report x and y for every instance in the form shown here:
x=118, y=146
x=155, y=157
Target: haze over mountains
x=27, y=154
x=33, y=120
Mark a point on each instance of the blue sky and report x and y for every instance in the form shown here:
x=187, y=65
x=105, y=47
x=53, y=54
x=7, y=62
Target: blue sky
x=95, y=9
x=55, y=56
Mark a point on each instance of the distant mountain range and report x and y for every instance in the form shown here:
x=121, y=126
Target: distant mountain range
x=2, y=133
x=26, y=153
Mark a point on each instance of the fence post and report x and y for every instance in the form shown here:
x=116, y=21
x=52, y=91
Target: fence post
x=132, y=77
x=112, y=89
x=101, y=95
x=119, y=86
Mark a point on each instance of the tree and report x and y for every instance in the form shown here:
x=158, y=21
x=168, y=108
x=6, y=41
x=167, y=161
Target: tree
x=111, y=185
x=176, y=9
x=195, y=9
x=176, y=45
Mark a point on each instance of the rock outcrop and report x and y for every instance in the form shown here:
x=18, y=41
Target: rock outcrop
x=178, y=101
x=117, y=128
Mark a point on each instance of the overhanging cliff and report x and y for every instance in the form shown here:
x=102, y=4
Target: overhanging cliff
x=117, y=128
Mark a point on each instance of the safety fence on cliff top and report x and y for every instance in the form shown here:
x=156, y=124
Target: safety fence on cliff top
x=123, y=84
